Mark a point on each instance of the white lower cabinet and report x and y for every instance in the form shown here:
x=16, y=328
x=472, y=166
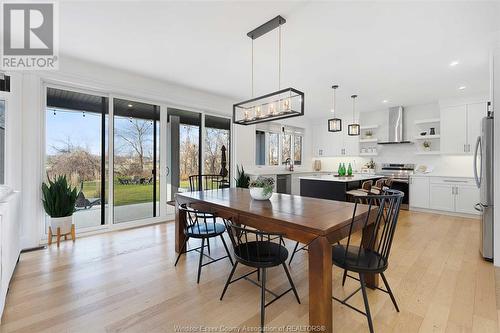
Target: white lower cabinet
x=419, y=192
x=442, y=197
x=458, y=195
x=466, y=198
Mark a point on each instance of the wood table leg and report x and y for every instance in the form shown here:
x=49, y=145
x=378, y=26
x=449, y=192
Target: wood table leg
x=50, y=236
x=58, y=236
x=73, y=233
x=180, y=222
x=320, y=284
x=372, y=280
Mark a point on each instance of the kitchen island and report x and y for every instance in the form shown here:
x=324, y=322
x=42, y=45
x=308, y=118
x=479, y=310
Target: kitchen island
x=332, y=187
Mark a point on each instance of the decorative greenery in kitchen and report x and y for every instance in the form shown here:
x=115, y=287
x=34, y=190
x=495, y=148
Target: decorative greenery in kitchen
x=242, y=179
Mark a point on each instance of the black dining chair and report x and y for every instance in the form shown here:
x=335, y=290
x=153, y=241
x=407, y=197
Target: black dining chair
x=260, y=250
x=383, y=209
x=202, y=225
x=204, y=182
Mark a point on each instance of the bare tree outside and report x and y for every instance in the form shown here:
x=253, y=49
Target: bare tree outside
x=136, y=141
x=189, y=149
x=214, y=140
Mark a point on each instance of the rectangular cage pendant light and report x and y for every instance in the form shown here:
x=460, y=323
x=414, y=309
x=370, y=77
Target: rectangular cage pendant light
x=283, y=103
x=335, y=125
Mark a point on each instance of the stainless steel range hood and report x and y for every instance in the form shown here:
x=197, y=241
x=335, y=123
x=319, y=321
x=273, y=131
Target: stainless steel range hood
x=395, y=127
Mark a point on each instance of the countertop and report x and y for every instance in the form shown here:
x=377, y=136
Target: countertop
x=354, y=178
x=448, y=175
x=282, y=172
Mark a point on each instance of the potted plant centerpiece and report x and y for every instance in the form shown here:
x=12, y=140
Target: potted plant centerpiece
x=59, y=203
x=261, y=188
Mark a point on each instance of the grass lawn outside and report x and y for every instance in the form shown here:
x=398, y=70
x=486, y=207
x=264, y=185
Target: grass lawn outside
x=124, y=194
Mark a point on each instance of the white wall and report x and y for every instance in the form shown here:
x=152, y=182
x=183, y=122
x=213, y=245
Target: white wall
x=81, y=74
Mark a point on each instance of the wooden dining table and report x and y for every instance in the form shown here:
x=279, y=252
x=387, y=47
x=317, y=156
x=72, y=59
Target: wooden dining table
x=316, y=222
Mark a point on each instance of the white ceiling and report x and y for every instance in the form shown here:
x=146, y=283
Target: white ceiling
x=398, y=51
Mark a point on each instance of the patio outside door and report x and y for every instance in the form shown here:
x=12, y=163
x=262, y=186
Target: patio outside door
x=136, y=180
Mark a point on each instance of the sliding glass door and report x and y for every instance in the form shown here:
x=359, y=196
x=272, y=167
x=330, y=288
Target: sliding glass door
x=75, y=146
x=217, y=147
x=136, y=190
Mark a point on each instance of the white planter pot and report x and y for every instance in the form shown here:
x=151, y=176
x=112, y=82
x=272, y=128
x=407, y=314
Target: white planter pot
x=61, y=222
x=257, y=193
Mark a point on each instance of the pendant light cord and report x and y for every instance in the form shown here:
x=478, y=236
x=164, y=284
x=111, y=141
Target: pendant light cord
x=279, y=58
x=333, y=103
x=252, y=71
x=353, y=107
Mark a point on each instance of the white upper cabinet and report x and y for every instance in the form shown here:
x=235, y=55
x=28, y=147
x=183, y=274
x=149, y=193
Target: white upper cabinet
x=319, y=140
x=460, y=127
x=454, y=129
x=332, y=144
x=475, y=113
x=351, y=145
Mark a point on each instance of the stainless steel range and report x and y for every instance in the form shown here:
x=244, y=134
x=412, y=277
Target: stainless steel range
x=397, y=171
x=400, y=174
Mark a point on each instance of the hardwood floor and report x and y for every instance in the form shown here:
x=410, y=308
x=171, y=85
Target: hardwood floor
x=126, y=282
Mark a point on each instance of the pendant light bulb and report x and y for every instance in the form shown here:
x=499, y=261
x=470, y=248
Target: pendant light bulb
x=334, y=124
x=353, y=129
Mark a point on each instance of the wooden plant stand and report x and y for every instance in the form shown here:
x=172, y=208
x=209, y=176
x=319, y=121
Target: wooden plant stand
x=59, y=235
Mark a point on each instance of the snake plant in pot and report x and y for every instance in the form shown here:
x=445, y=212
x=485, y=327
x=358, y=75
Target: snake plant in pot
x=59, y=203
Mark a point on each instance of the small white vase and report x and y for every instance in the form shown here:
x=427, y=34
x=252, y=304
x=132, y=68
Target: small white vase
x=257, y=193
x=61, y=222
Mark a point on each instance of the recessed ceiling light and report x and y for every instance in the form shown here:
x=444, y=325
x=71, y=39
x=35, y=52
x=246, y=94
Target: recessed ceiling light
x=385, y=101
x=454, y=63
x=130, y=105
x=462, y=87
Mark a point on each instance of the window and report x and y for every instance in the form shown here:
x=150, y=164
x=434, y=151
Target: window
x=297, y=150
x=286, y=150
x=75, y=147
x=136, y=160
x=274, y=146
x=217, y=134
x=189, y=153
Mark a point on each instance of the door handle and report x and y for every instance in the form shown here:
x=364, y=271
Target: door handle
x=477, y=177
x=168, y=171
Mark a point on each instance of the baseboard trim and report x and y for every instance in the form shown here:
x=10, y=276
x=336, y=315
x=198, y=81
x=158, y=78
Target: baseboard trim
x=444, y=212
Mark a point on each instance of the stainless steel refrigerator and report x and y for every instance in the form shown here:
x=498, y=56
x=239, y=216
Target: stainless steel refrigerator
x=483, y=173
